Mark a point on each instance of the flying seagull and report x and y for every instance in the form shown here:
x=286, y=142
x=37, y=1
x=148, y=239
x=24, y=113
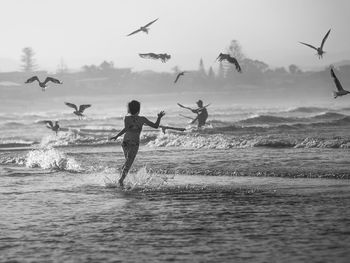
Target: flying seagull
x=55, y=128
x=230, y=59
x=79, y=112
x=163, y=57
x=179, y=75
x=143, y=28
x=341, y=91
x=43, y=85
x=319, y=50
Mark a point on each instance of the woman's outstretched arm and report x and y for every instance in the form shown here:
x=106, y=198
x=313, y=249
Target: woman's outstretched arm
x=154, y=125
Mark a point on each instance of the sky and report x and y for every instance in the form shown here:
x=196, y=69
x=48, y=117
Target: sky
x=80, y=32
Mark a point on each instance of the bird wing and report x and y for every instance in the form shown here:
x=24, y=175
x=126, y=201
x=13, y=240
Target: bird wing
x=336, y=81
x=71, y=105
x=150, y=23
x=177, y=77
x=136, y=31
x=49, y=124
x=34, y=78
x=308, y=45
x=52, y=80
x=325, y=38
x=220, y=57
x=235, y=62
x=149, y=55
x=83, y=107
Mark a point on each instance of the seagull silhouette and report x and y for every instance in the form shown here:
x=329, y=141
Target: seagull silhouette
x=230, y=59
x=55, y=128
x=163, y=57
x=43, y=85
x=319, y=50
x=341, y=91
x=143, y=28
x=79, y=112
x=179, y=75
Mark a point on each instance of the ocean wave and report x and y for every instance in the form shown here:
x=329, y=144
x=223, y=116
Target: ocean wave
x=325, y=118
x=73, y=119
x=197, y=141
x=308, y=109
x=12, y=124
x=268, y=119
x=45, y=158
x=311, y=142
x=343, y=121
x=329, y=115
x=11, y=143
x=51, y=159
x=73, y=137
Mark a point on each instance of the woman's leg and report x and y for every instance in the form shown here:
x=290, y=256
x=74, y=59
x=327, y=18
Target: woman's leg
x=130, y=152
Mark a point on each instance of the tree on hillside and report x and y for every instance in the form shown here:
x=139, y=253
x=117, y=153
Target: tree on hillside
x=28, y=60
x=201, y=68
x=293, y=69
x=106, y=66
x=221, y=71
x=211, y=73
x=235, y=50
x=62, y=67
x=176, y=69
x=90, y=69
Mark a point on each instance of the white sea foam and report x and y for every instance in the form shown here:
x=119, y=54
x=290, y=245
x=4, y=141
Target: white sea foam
x=141, y=179
x=50, y=158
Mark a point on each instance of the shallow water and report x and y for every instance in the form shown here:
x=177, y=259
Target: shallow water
x=70, y=218
x=248, y=187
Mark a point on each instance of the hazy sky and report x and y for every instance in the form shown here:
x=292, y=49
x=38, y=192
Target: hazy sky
x=90, y=31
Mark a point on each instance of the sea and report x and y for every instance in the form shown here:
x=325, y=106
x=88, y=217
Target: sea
x=256, y=184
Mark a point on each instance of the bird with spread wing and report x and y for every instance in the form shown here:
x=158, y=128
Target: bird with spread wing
x=43, y=84
x=144, y=28
x=51, y=126
x=341, y=91
x=78, y=112
x=179, y=75
x=163, y=57
x=319, y=50
x=230, y=59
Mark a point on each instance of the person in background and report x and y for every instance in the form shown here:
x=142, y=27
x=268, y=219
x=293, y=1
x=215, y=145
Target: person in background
x=201, y=111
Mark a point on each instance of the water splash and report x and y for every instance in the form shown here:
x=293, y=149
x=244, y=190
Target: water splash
x=50, y=158
x=143, y=179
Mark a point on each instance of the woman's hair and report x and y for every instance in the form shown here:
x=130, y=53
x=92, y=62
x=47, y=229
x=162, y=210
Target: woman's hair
x=134, y=107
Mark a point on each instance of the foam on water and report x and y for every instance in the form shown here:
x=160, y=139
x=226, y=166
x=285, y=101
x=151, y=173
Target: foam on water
x=72, y=137
x=142, y=179
x=196, y=141
x=50, y=158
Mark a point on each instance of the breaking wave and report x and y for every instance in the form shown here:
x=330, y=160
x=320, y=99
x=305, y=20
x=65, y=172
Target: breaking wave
x=196, y=141
x=308, y=109
x=12, y=143
x=268, y=119
x=45, y=158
